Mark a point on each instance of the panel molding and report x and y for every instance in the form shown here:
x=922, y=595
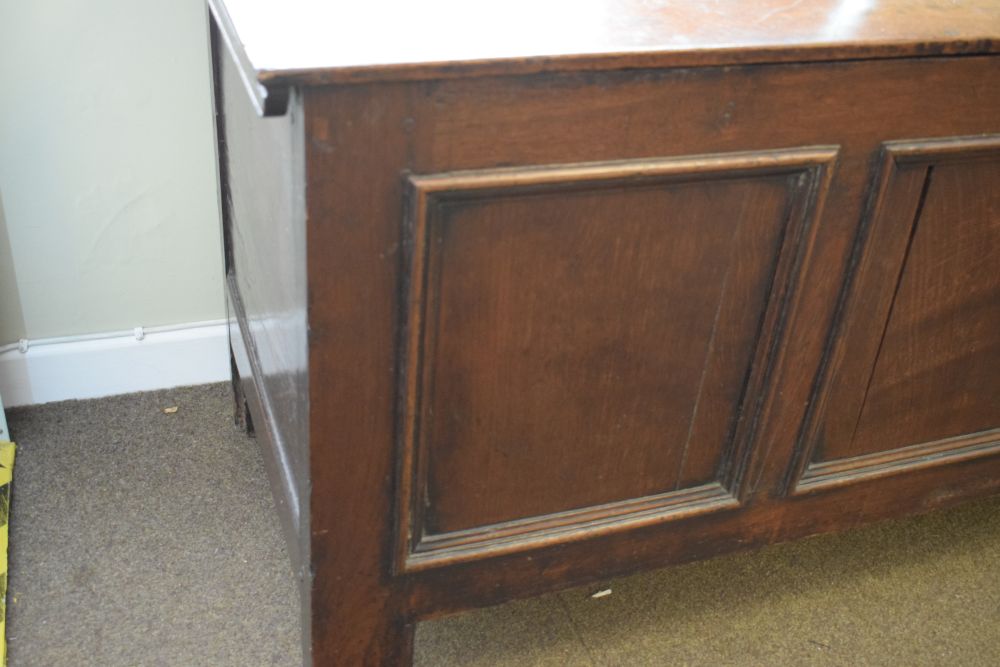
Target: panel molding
x=545, y=530
x=414, y=549
x=902, y=164
x=947, y=451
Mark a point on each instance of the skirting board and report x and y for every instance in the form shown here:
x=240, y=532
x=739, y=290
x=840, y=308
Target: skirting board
x=114, y=363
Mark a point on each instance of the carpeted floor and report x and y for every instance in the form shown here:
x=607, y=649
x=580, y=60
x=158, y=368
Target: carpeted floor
x=144, y=538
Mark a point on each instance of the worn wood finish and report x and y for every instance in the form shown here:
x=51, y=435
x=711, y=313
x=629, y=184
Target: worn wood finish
x=262, y=206
x=640, y=419
x=564, y=325
x=922, y=386
x=313, y=43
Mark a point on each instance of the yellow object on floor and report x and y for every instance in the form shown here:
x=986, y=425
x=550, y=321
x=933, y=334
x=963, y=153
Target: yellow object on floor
x=6, y=474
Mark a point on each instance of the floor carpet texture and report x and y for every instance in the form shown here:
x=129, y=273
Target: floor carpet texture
x=144, y=537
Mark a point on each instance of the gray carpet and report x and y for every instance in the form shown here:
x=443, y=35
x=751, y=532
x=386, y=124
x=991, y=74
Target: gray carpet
x=142, y=538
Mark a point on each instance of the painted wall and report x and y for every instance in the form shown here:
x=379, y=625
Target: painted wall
x=108, y=206
x=11, y=319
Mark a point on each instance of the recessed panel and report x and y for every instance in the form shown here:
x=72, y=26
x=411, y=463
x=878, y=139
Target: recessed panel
x=938, y=369
x=583, y=341
x=915, y=377
x=579, y=341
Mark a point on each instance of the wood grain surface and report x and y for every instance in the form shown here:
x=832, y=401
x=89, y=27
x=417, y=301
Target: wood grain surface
x=572, y=316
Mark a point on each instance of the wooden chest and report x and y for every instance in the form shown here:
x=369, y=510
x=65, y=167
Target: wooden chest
x=527, y=295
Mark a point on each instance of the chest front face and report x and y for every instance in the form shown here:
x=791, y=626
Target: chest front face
x=604, y=302
x=547, y=328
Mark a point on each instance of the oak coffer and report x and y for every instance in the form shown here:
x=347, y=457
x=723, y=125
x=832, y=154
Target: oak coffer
x=524, y=295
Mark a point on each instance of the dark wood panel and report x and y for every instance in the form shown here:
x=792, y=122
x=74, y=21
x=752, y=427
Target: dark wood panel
x=937, y=373
x=265, y=248
x=357, y=616
x=261, y=164
x=464, y=124
x=362, y=142
x=914, y=377
x=581, y=340
x=437, y=592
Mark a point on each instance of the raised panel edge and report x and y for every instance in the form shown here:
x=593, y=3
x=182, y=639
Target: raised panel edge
x=807, y=475
x=415, y=551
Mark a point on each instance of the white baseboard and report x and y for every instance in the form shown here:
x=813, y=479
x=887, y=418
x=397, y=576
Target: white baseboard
x=58, y=369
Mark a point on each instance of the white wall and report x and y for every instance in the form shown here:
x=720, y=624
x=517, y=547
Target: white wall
x=108, y=209
x=11, y=319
